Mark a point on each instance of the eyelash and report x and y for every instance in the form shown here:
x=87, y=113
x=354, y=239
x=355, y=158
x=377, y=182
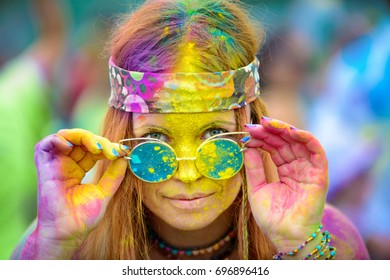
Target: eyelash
x=161, y=134
x=148, y=135
x=213, y=129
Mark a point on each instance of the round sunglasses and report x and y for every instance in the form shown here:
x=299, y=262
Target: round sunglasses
x=217, y=158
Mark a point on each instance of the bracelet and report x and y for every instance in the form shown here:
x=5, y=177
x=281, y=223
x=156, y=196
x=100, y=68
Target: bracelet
x=319, y=250
x=279, y=255
x=332, y=253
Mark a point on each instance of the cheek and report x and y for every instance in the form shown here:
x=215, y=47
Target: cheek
x=149, y=196
x=229, y=191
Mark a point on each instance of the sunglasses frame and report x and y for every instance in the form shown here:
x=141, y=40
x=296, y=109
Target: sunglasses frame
x=211, y=139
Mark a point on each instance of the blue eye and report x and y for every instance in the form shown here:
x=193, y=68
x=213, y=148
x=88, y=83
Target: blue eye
x=212, y=132
x=156, y=135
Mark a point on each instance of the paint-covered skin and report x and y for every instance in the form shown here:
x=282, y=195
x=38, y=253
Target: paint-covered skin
x=68, y=209
x=189, y=201
x=155, y=161
x=291, y=209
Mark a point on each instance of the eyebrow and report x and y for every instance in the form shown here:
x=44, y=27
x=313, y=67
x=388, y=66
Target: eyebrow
x=218, y=123
x=155, y=127
x=167, y=131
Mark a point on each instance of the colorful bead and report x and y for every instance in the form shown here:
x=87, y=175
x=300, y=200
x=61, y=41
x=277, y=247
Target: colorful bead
x=295, y=251
x=174, y=251
x=192, y=252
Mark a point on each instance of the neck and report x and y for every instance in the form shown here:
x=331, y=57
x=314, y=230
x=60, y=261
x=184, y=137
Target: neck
x=194, y=238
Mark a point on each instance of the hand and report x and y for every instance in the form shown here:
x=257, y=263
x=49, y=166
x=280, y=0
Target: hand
x=291, y=209
x=68, y=209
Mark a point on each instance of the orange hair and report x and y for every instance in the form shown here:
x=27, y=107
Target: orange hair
x=150, y=40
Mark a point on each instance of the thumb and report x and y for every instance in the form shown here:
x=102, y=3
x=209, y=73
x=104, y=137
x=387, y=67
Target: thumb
x=113, y=177
x=254, y=169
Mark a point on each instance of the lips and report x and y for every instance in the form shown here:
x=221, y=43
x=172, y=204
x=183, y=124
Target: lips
x=190, y=202
x=189, y=197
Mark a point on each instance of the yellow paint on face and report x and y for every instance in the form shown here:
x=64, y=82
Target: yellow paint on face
x=151, y=170
x=186, y=133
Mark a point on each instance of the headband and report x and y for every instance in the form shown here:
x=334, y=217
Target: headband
x=140, y=92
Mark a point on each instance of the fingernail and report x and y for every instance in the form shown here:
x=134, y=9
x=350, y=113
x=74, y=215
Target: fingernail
x=69, y=144
x=115, y=152
x=99, y=146
x=265, y=118
x=251, y=125
x=245, y=139
x=125, y=147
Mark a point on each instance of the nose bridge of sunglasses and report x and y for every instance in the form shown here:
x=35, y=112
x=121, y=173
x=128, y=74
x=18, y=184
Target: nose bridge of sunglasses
x=186, y=158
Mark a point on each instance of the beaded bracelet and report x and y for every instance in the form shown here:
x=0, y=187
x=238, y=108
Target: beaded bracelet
x=332, y=253
x=319, y=250
x=279, y=255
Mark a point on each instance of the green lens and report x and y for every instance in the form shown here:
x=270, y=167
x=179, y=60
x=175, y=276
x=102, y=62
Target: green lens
x=153, y=162
x=219, y=159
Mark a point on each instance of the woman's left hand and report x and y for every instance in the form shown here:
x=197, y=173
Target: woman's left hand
x=289, y=210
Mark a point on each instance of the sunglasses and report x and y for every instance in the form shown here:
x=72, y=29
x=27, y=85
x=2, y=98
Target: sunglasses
x=219, y=157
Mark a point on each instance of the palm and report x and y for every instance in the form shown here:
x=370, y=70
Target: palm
x=66, y=207
x=298, y=199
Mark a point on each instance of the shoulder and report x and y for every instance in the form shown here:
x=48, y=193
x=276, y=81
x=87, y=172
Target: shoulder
x=345, y=236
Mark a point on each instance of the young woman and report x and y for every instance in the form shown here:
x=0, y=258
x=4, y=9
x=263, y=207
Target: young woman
x=188, y=166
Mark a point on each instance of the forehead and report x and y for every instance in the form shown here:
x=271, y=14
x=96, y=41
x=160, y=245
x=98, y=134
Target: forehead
x=184, y=122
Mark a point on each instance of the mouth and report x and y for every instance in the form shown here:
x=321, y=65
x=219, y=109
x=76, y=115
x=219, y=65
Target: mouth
x=193, y=201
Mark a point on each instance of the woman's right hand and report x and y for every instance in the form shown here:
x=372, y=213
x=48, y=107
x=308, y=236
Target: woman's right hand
x=67, y=209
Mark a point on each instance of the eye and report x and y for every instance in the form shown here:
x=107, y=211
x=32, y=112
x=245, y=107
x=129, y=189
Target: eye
x=212, y=132
x=156, y=135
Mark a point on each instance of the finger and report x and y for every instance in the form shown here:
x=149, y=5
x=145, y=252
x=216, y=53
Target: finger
x=82, y=137
x=273, y=125
x=93, y=143
x=77, y=153
x=274, y=140
x=89, y=160
x=254, y=169
x=46, y=149
x=308, y=139
x=298, y=149
x=275, y=155
x=113, y=177
x=111, y=150
x=285, y=131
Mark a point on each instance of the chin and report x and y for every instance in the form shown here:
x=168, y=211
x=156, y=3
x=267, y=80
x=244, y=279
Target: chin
x=191, y=221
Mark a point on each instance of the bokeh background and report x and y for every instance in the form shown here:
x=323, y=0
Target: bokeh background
x=325, y=67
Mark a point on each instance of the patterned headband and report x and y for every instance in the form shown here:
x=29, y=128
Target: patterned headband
x=140, y=92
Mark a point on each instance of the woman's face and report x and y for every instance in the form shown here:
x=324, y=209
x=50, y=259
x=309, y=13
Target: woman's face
x=188, y=200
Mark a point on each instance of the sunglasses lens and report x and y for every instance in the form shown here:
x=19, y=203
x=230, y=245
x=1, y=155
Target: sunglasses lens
x=153, y=162
x=219, y=159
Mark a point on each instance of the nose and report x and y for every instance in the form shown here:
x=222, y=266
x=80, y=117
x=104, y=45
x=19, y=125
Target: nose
x=187, y=171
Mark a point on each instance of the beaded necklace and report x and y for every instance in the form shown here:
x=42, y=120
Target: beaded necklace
x=223, y=246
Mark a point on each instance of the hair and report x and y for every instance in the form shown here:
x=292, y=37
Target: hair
x=153, y=39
